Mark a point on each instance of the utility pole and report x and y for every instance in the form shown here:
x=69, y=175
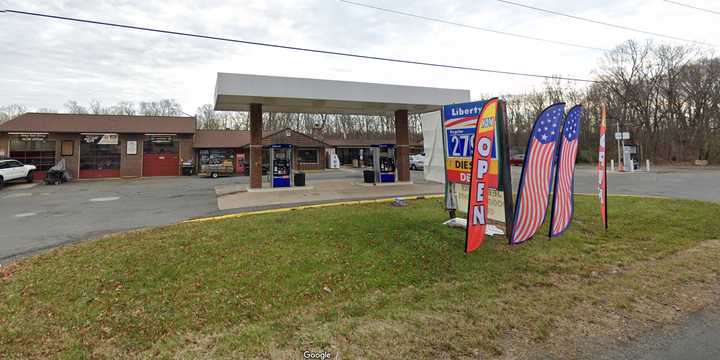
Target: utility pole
x=618, y=137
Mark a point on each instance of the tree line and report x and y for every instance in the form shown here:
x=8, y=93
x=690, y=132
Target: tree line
x=667, y=97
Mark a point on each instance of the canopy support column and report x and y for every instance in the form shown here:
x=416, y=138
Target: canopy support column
x=256, y=146
x=402, y=142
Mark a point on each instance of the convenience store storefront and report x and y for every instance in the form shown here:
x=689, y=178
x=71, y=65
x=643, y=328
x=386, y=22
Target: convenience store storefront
x=100, y=146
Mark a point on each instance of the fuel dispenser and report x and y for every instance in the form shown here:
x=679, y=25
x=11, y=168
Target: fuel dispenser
x=280, y=156
x=384, y=163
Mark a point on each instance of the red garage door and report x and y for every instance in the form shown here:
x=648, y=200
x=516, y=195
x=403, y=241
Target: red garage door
x=161, y=165
x=160, y=156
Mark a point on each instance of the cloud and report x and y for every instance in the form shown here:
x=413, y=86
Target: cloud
x=47, y=62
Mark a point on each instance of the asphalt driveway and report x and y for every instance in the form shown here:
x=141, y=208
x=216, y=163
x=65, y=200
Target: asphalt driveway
x=37, y=217
x=45, y=216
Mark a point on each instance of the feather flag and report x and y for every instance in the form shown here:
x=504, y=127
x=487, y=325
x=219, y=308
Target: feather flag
x=480, y=176
x=602, y=170
x=562, y=205
x=535, y=179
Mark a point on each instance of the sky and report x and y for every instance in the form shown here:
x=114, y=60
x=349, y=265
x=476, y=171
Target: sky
x=44, y=63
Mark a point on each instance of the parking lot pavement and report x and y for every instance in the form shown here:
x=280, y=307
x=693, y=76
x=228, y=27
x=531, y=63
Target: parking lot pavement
x=44, y=216
x=696, y=183
x=34, y=217
x=693, y=338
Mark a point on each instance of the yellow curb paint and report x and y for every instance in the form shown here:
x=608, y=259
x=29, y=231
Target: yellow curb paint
x=315, y=206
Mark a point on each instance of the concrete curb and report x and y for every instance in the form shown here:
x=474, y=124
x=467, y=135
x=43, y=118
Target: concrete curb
x=313, y=206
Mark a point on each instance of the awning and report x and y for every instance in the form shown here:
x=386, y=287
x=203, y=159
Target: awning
x=235, y=92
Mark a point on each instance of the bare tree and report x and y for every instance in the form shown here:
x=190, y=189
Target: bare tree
x=165, y=107
x=11, y=111
x=74, y=107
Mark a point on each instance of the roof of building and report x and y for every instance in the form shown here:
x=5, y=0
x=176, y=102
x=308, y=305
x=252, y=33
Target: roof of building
x=228, y=139
x=219, y=139
x=79, y=123
x=366, y=142
x=223, y=139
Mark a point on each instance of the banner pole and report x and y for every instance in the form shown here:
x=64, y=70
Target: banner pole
x=506, y=169
x=450, y=204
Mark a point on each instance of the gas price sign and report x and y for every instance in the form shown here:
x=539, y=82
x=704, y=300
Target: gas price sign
x=459, y=124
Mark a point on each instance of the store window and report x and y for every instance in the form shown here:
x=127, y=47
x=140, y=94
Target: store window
x=100, y=152
x=40, y=153
x=160, y=145
x=308, y=156
x=216, y=156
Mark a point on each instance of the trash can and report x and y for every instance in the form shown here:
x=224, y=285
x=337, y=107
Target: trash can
x=187, y=168
x=299, y=179
x=369, y=176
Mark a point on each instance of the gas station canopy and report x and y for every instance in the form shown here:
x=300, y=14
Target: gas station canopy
x=235, y=92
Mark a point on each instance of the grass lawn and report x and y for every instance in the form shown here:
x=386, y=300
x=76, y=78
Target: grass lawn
x=369, y=281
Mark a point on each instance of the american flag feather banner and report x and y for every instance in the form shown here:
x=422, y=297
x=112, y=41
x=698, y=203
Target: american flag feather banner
x=536, y=177
x=563, y=201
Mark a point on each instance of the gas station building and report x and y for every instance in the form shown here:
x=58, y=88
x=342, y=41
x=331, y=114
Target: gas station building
x=256, y=94
x=113, y=146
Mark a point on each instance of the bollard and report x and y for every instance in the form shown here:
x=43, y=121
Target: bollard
x=647, y=164
x=612, y=165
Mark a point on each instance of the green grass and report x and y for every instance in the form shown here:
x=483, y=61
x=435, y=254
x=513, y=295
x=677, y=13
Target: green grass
x=350, y=277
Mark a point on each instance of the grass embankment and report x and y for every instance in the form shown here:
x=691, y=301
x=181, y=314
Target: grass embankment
x=370, y=281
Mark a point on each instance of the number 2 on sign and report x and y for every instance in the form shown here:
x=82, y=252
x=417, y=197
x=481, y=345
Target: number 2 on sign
x=462, y=145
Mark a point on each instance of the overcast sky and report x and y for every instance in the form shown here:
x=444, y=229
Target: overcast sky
x=44, y=63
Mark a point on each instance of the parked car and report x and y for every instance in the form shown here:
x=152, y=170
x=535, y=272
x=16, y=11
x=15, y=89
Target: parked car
x=517, y=159
x=417, y=162
x=11, y=170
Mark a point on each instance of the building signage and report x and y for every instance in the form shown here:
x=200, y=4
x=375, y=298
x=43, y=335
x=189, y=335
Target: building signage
x=132, y=147
x=102, y=139
x=32, y=136
x=162, y=139
x=459, y=125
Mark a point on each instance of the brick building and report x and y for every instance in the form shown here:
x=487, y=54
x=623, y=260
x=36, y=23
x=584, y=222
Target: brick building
x=96, y=146
x=113, y=146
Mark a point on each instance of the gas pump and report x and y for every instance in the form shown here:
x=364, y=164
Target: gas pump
x=384, y=163
x=280, y=165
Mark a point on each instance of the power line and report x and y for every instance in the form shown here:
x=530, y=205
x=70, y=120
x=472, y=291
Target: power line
x=296, y=48
x=606, y=24
x=448, y=22
x=694, y=7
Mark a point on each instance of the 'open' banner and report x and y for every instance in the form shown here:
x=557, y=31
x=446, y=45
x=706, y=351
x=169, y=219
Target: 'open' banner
x=480, y=176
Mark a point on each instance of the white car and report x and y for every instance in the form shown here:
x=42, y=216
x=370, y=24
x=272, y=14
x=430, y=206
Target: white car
x=11, y=170
x=417, y=162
